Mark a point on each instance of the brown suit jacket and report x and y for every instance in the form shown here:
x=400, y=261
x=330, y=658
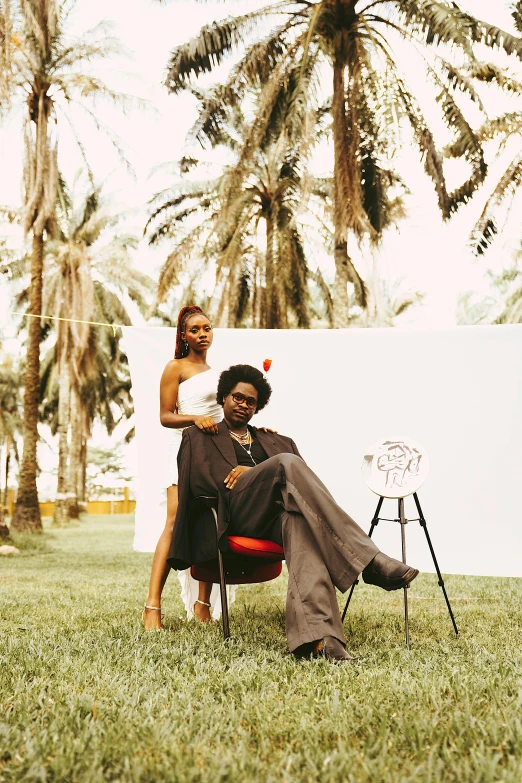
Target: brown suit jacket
x=203, y=463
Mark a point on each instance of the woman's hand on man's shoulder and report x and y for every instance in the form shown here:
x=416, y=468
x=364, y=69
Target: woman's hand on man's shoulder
x=206, y=424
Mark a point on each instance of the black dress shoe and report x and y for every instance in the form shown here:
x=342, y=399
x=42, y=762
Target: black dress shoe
x=388, y=573
x=333, y=650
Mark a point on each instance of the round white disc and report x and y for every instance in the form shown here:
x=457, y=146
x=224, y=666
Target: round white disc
x=395, y=467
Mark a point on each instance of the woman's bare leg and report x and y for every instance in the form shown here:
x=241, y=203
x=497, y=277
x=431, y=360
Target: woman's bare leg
x=202, y=613
x=160, y=570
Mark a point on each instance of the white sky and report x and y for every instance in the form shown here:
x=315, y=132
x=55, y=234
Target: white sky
x=429, y=255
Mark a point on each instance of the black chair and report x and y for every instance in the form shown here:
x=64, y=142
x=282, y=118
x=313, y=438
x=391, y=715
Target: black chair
x=247, y=561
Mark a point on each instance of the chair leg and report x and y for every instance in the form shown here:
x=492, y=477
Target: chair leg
x=224, y=602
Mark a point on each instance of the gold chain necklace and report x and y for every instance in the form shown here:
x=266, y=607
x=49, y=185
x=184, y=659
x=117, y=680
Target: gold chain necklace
x=245, y=439
x=247, y=442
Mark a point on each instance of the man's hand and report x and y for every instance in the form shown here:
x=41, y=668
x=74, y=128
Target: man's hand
x=206, y=424
x=231, y=479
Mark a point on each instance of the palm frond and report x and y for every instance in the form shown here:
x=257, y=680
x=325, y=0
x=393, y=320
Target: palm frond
x=176, y=262
x=208, y=49
x=326, y=294
x=490, y=73
x=494, y=37
x=200, y=195
x=462, y=80
x=516, y=13
x=80, y=85
x=486, y=227
x=252, y=72
x=258, y=129
x=437, y=22
x=466, y=145
x=109, y=307
x=95, y=44
x=506, y=125
x=433, y=165
x=113, y=137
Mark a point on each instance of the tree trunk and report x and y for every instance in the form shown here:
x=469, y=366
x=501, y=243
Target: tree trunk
x=340, y=133
x=261, y=306
x=220, y=318
x=82, y=473
x=233, y=295
x=26, y=514
x=271, y=292
x=3, y=494
x=5, y=500
x=4, y=530
x=375, y=308
x=255, y=300
x=61, y=505
x=74, y=454
x=281, y=315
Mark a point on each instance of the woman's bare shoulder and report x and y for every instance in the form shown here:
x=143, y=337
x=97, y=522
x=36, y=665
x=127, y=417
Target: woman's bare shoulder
x=173, y=369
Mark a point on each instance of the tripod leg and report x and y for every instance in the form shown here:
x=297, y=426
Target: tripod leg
x=402, y=521
x=424, y=526
x=375, y=521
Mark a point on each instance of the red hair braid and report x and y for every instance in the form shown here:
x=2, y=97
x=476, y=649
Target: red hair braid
x=184, y=314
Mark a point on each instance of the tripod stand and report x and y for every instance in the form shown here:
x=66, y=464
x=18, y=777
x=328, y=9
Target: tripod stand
x=403, y=522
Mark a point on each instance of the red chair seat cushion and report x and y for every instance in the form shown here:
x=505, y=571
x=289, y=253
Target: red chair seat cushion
x=244, y=564
x=240, y=572
x=255, y=547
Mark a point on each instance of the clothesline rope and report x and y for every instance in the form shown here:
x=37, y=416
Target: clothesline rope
x=70, y=320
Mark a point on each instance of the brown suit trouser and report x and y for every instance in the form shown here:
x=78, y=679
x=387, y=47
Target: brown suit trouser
x=283, y=500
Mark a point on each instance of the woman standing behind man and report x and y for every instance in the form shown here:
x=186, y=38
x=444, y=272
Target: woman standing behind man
x=187, y=396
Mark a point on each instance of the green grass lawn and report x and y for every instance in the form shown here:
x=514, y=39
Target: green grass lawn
x=85, y=695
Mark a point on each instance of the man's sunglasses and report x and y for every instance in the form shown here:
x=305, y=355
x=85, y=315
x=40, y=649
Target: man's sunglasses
x=251, y=402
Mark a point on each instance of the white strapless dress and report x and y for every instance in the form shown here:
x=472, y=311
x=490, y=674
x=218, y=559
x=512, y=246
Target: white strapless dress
x=196, y=397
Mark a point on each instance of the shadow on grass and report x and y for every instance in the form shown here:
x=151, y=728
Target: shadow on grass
x=31, y=543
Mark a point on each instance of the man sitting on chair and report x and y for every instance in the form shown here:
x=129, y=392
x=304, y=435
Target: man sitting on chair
x=264, y=489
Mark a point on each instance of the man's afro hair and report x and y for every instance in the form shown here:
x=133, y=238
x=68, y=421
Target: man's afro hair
x=244, y=373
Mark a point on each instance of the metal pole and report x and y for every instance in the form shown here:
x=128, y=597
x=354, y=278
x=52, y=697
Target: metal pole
x=222, y=582
x=424, y=526
x=403, y=523
x=223, y=591
x=375, y=522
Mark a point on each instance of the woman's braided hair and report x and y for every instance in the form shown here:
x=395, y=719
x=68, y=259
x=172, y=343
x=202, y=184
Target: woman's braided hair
x=184, y=314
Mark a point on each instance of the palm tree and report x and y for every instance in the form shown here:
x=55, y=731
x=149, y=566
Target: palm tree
x=10, y=425
x=370, y=95
x=41, y=73
x=105, y=395
x=250, y=230
x=89, y=269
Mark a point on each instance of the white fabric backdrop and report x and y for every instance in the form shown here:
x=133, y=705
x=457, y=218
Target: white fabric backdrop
x=458, y=392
